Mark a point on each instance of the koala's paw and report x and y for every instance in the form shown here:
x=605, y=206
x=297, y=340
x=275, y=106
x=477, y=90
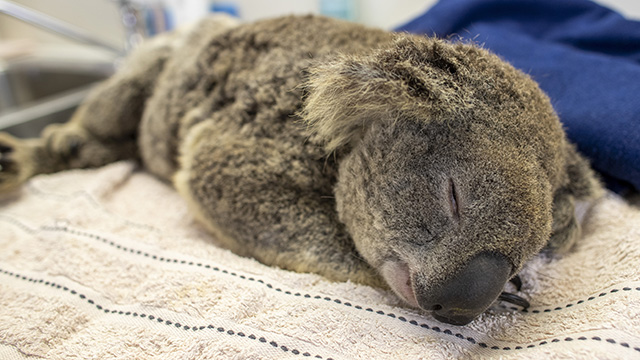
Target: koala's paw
x=566, y=227
x=15, y=162
x=564, y=235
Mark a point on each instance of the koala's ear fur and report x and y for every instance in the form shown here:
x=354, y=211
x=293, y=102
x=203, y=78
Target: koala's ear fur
x=349, y=92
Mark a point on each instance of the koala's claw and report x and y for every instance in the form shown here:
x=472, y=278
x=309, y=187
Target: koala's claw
x=4, y=149
x=7, y=165
x=8, y=168
x=514, y=299
x=517, y=282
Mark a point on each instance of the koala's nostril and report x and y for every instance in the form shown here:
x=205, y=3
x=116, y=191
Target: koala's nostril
x=469, y=292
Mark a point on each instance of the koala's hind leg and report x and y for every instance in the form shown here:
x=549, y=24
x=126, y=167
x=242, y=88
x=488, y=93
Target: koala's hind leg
x=102, y=130
x=264, y=199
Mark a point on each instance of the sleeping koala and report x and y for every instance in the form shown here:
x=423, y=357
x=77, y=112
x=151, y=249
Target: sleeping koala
x=432, y=168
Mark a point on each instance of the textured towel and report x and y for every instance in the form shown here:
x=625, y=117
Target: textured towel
x=109, y=264
x=585, y=56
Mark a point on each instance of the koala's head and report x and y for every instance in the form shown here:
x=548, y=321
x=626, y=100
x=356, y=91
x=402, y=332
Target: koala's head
x=451, y=160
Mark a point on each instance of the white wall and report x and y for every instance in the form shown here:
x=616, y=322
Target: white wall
x=389, y=14
x=629, y=8
x=379, y=13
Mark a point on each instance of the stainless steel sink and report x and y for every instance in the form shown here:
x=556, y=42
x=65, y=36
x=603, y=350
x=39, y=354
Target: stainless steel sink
x=35, y=92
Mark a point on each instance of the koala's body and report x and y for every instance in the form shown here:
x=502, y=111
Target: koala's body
x=316, y=145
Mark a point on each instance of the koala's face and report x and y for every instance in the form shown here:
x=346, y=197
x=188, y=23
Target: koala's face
x=453, y=160
x=446, y=218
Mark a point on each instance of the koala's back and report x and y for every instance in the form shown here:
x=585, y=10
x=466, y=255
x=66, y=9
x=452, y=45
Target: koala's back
x=246, y=80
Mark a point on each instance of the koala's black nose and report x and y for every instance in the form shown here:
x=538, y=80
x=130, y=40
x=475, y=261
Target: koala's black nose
x=469, y=292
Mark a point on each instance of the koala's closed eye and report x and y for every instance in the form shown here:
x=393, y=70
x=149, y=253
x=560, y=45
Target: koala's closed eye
x=454, y=202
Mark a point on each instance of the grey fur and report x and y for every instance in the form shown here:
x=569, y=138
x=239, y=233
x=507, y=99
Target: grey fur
x=322, y=146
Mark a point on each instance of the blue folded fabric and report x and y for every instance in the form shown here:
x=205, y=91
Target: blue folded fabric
x=584, y=56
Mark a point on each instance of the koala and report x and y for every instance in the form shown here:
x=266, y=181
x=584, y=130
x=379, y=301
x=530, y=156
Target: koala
x=428, y=167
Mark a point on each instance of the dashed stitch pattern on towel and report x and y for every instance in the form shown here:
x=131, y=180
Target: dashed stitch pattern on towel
x=437, y=329
x=154, y=318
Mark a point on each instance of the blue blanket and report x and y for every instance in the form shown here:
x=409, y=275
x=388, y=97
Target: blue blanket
x=586, y=57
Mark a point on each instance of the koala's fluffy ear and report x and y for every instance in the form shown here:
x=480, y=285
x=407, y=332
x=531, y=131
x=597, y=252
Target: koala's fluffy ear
x=343, y=97
x=348, y=93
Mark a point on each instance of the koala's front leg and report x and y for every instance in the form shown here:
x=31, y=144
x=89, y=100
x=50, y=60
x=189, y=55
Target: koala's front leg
x=265, y=199
x=566, y=228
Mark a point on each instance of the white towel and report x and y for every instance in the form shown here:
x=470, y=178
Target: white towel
x=109, y=264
